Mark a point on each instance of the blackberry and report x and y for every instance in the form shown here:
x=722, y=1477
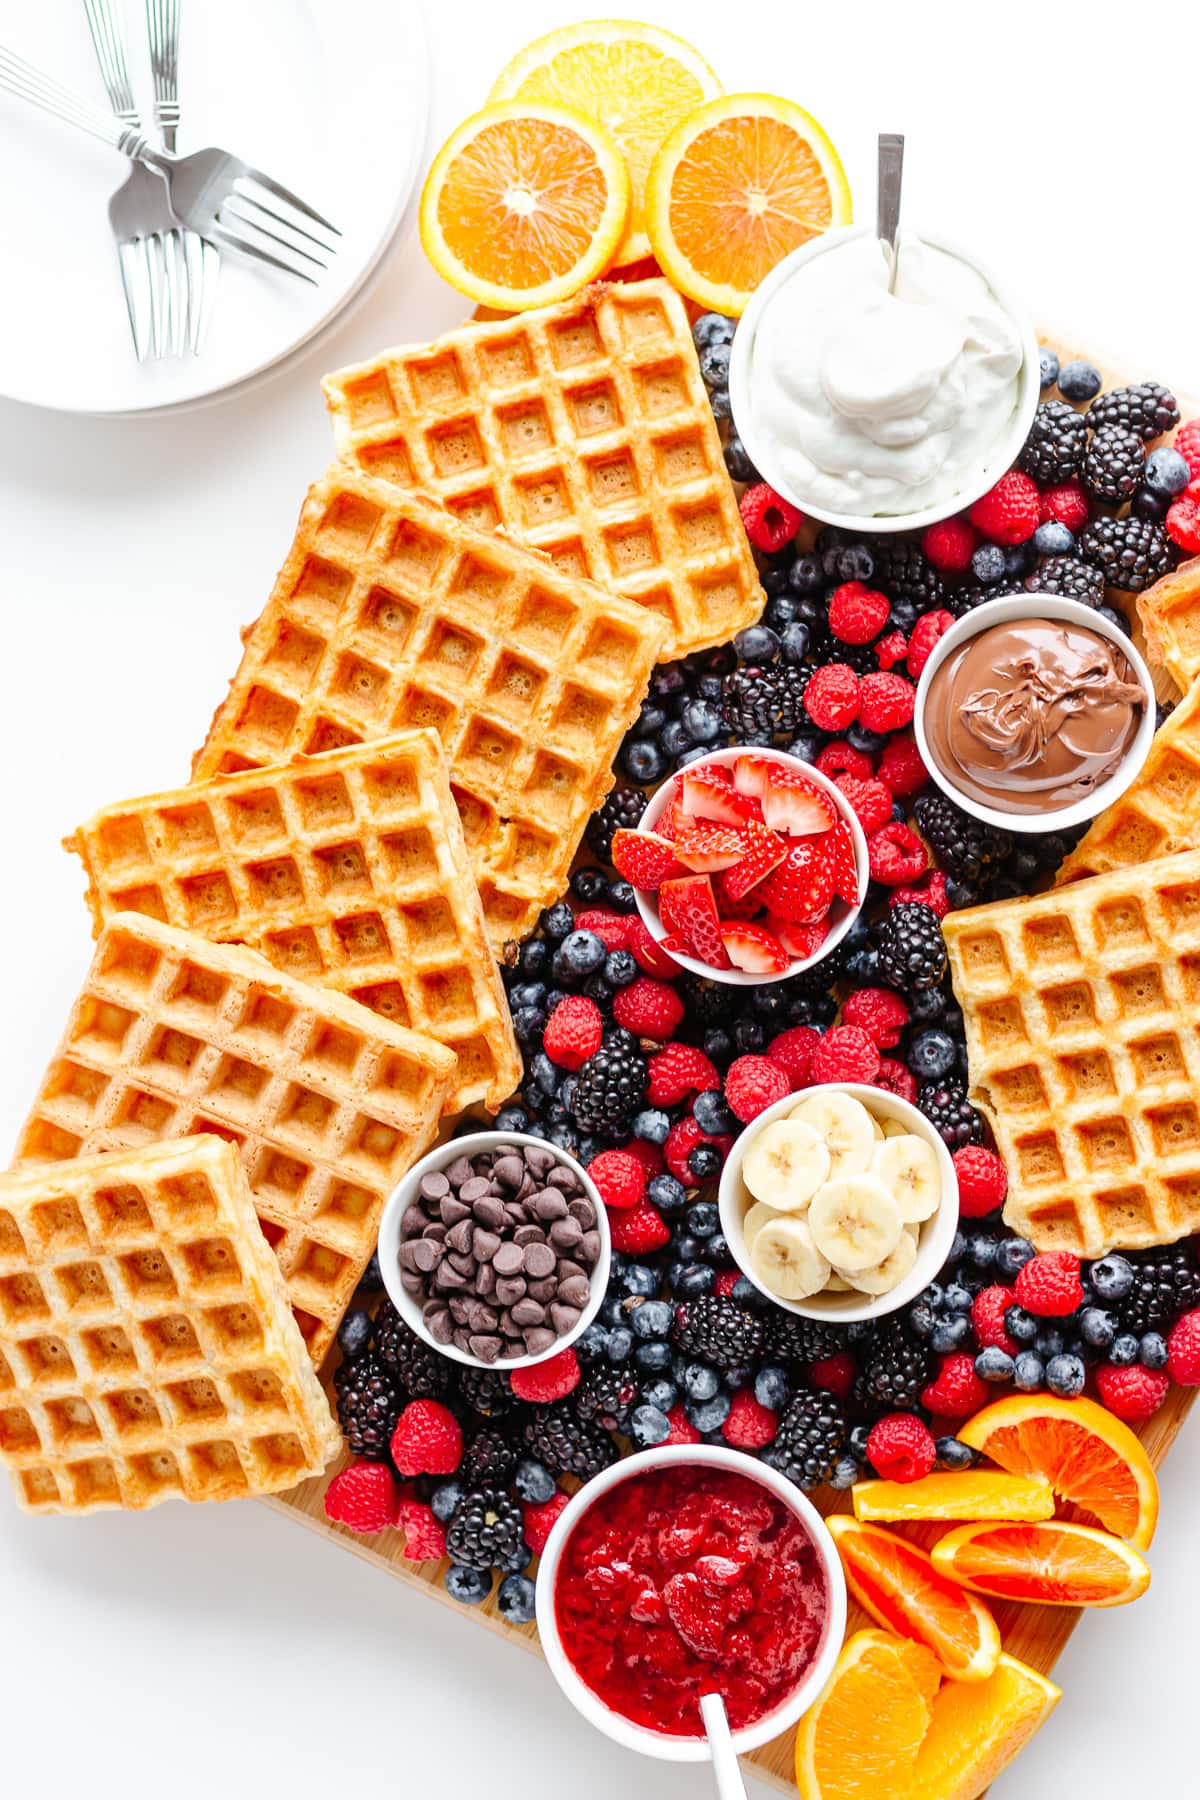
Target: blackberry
x=792, y=1339
x=486, y=1392
x=896, y=1366
x=1114, y=462
x=567, y=1444
x=1165, y=1283
x=910, y=948
x=1130, y=553
x=369, y=1401
x=610, y=1085
x=489, y=1459
x=964, y=846
x=1056, y=443
x=1146, y=408
x=908, y=578
x=962, y=600
x=423, y=1373
x=1068, y=576
x=605, y=1397
x=620, y=812
x=812, y=1431
x=487, y=1528
x=951, y=1114
x=716, y=1330
x=763, y=698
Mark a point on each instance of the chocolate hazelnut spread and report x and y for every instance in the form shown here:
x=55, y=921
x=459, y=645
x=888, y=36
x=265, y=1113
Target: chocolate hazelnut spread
x=1033, y=715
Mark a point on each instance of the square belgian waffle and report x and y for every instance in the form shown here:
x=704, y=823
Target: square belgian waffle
x=347, y=869
x=1080, y=1008
x=390, y=613
x=585, y=430
x=328, y=1104
x=1159, y=813
x=1170, y=615
x=147, y=1349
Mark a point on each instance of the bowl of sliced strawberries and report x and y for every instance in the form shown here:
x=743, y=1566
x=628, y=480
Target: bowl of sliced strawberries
x=747, y=866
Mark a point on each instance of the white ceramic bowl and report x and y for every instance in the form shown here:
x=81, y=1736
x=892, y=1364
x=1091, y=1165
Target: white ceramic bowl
x=1038, y=606
x=977, y=481
x=402, y=1197
x=842, y=914
x=937, y=1233
x=615, y=1725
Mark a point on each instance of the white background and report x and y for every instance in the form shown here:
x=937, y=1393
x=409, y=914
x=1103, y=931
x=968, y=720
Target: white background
x=222, y=1649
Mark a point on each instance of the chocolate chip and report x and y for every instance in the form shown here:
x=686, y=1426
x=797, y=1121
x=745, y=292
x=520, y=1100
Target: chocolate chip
x=485, y=1280
x=509, y=1169
x=550, y=1204
x=560, y=1177
x=566, y=1234
x=427, y=1254
x=435, y=1230
x=438, y=1322
x=509, y=1260
x=490, y=1212
x=567, y=1268
x=407, y=1255
x=459, y=1171
x=564, y=1318
x=412, y=1284
x=434, y=1185
x=486, y=1347
x=543, y=1290
x=537, y=1339
x=484, y=1244
x=584, y=1212
x=460, y=1308
x=528, y=1312
x=575, y=1291
x=527, y=1187
x=539, y=1260
x=412, y=1222
x=589, y=1247
x=459, y=1236
x=481, y=1317
x=529, y=1234
x=510, y=1288
x=448, y=1278
x=451, y=1210
x=477, y=1187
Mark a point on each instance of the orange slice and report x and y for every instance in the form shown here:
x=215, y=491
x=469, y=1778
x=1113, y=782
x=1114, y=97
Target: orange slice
x=636, y=80
x=970, y=1494
x=1053, y=1563
x=977, y=1730
x=899, y=1586
x=524, y=205
x=735, y=187
x=1089, y=1458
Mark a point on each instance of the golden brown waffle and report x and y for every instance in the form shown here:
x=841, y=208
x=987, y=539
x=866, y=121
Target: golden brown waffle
x=1170, y=615
x=389, y=613
x=583, y=429
x=1160, y=813
x=347, y=869
x=1080, y=1008
x=328, y=1104
x=147, y=1349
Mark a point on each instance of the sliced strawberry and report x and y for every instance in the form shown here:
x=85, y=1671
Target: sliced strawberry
x=668, y=823
x=798, y=940
x=647, y=953
x=689, y=911
x=754, y=949
x=704, y=847
x=845, y=869
x=747, y=907
x=796, y=805
x=643, y=858
x=751, y=773
x=802, y=887
x=706, y=796
x=763, y=851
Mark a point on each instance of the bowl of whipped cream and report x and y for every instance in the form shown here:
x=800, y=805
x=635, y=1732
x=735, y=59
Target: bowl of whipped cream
x=876, y=406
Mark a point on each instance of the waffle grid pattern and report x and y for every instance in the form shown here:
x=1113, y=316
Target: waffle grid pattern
x=1170, y=615
x=583, y=429
x=328, y=1104
x=1159, y=813
x=146, y=1346
x=1080, y=1008
x=348, y=870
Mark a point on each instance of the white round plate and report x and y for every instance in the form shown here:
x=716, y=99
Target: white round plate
x=328, y=96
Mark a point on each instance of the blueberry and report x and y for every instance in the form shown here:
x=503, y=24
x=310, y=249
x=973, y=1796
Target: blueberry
x=806, y=745
x=619, y=1347
x=743, y=1291
x=620, y=968
x=649, y=721
x=1047, y=366
x=869, y=742
x=648, y=1427
x=470, y=1587
x=700, y=1382
x=772, y=1388
x=1029, y=1372
x=535, y=955
x=652, y=1319
x=661, y=1393
x=354, y=1333
x=588, y=885
x=987, y=564
x=517, y=1599
x=591, y=1344
x=642, y=762
x=714, y=363
x=544, y=1074
x=651, y=1126
x=557, y=921
x=1012, y=1253
x=931, y=1054
x=862, y=966
x=856, y=1443
x=1097, y=1327
x=983, y=1250
x=957, y=1298
x=667, y=1193
x=686, y=1246
x=674, y=739
x=1124, y=1350
x=1152, y=1350
x=704, y=1162
x=653, y=1358
x=756, y=644
x=1166, y=472
x=445, y=1500
x=1078, y=380
x=718, y=400
x=621, y=896
x=952, y=1453
x=716, y=1251
x=1019, y=559
x=702, y=721
x=793, y=643
x=1112, y=1277
x=922, y=1319
x=951, y=1334
x=1020, y=1325
x=845, y=1473
x=713, y=328
x=580, y=954
x=696, y=1279
x=1115, y=617
x=534, y=1482
x=1065, y=1376
x=704, y=1219
x=855, y=563
x=709, y=1415
x=1053, y=539
x=639, y=1281
x=737, y=461
x=711, y=1113
x=1146, y=504
x=806, y=576
x=1049, y=1342
x=994, y=1364
x=528, y=993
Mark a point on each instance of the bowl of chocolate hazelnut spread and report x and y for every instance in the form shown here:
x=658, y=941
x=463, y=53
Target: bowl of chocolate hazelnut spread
x=1034, y=713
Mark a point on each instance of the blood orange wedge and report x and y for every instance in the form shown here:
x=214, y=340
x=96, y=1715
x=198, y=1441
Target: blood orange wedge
x=899, y=1586
x=1053, y=1563
x=1089, y=1458
x=968, y=1494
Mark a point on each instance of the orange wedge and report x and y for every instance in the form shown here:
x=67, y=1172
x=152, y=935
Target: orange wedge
x=969, y=1494
x=1053, y=1563
x=899, y=1586
x=524, y=205
x=1089, y=1458
x=977, y=1730
x=734, y=188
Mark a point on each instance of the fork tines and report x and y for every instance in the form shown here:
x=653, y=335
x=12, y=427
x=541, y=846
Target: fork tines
x=245, y=220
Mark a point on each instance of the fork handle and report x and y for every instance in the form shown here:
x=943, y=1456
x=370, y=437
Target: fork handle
x=21, y=78
x=162, y=26
x=108, y=41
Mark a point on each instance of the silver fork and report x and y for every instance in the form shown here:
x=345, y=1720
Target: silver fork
x=211, y=192
x=201, y=261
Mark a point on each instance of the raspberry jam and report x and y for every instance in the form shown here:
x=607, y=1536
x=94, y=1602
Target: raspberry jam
x=689, y=1580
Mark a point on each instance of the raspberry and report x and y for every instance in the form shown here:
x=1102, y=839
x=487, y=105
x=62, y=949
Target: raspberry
x=638, y=1231
x=1187, y=442
x=793, y=1051
x=900, y=1447
x=896, y=854
x=900, y=767
x=611, y=928
x=831, y=697
x=982, y=1181
x=950, y=545
x=770, y=521
x=869, y=801
x=620, y=1178
x=684, y=1137
x=648, y=1156
x=925, y=633
x=1010, y=512
x=841, y=758
x=648, y=1008
x=547, y=1381
x=1065, y=504
x=427, y=1439
x=642, y=858
x=857, y=613
x=573, y=1032
x=1133, y=1393
x=834, y=1374
x=424, y=1536
x=987, y=1316
x=1049, y=1285
x=678, y=1070
x=896, y=1078
x=362, y=1497
x=845, y=1054
x=880, y=1012
x=749, y=1425
x=648, y=955
x=885, y=702
x=724, y=1282
x=1183, y=522
x=956, y=1390
x=682, y=1430
x=1183, y=1340
x=931, y=893
x=753, y=1083
x=891, y=649
x=539, y=1520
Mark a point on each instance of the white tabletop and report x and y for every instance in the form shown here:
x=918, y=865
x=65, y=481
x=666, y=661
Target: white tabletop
x=220, y=1649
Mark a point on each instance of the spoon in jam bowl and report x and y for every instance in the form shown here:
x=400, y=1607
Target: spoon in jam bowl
x=730, y=1785
x=890, y=173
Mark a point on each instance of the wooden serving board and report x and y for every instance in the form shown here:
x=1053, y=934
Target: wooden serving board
x=1035, y=1634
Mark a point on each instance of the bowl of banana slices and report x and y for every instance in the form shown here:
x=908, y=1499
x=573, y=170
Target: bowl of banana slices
x=839, y=1202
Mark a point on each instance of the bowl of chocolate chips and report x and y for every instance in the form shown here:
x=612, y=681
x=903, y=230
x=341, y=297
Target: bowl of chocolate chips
x=495, y=1249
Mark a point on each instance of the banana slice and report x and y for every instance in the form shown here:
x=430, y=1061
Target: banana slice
x=786, y=1164
x=895, y=1128
x=907, y=1166
x=837, y=1284
x=913, y=1230
x=758, y=1216
x=892, y=1270
x=786, y=1260
x=846, y=1127
x=876, y=1127
x=855, y=1223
